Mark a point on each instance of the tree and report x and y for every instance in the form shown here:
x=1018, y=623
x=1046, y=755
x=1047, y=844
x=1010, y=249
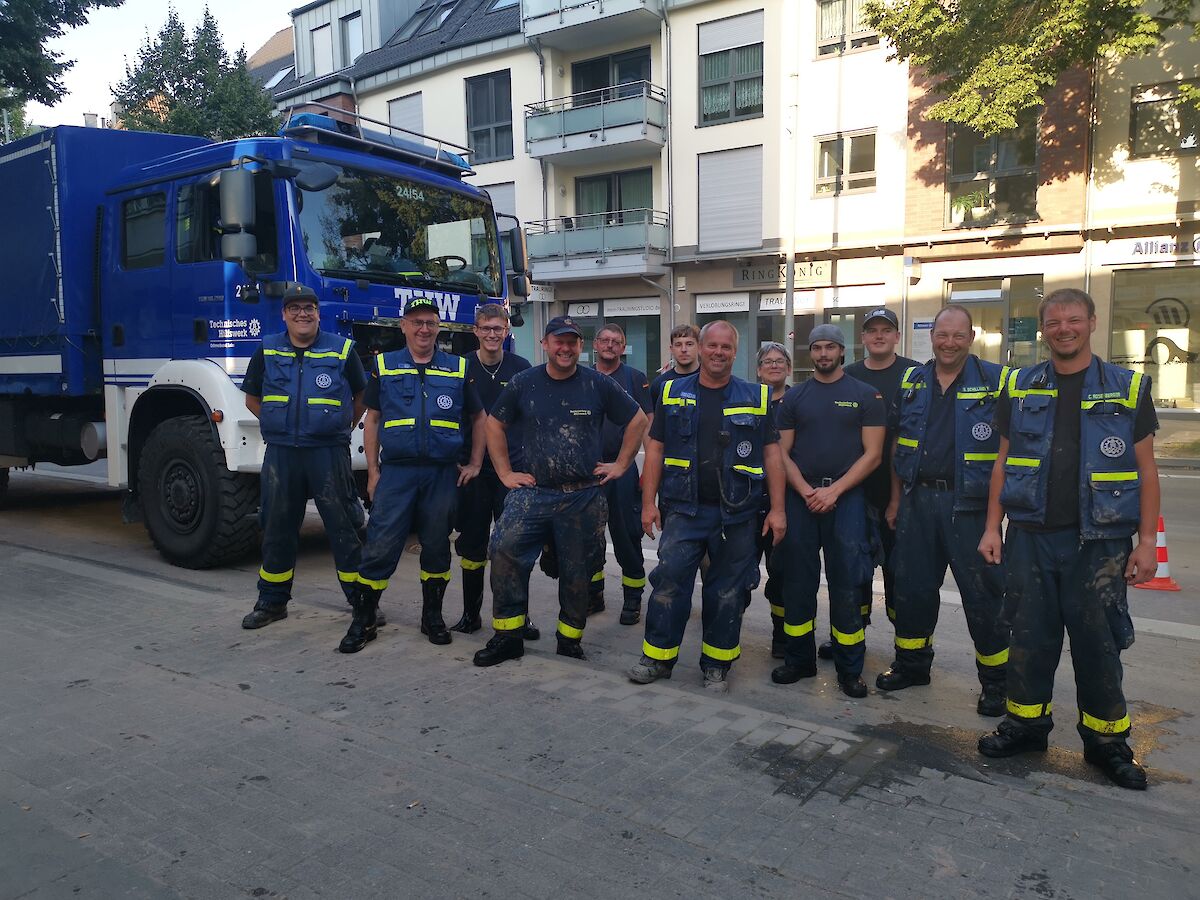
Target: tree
x=13, y=124
x=27, y=68
x=991, y=59
x=187, y=84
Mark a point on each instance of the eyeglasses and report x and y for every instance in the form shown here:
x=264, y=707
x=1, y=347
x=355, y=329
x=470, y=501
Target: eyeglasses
x=774, y=362
x=294, y=310
x=491, y=329
x=616, y=341
x=423, y=324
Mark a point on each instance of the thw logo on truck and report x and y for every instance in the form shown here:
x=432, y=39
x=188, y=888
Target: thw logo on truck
x=447, y=302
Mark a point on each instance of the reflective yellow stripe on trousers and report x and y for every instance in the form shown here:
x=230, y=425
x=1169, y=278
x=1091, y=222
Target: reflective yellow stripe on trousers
x=720, y=653
x=1103, y=726
x=658, y=652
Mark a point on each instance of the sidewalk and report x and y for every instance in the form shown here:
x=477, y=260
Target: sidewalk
x=152, y=748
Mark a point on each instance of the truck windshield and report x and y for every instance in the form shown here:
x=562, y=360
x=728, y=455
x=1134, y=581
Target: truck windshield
x=394, y=231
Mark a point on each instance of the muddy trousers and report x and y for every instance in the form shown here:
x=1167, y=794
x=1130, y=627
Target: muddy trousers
x=1055, y=583
x=480, y=502
x=842, y=535
x=930, y=537
x=732, y=571
x=887, y=546
x=290, y=475
x=574, y=520
x=416, y=497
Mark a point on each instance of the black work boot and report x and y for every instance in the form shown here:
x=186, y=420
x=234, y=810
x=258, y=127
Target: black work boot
x=992, y=699
x=1011, y=738
x=897, y=679
x=825, y=650
x=595, y=598
x=504, y=645
x=1115, y=760
x=260, y=616
x=530, y=631
x=778, y=638
x=472, y=587
x=363, y=625
x=570, y=647
x=852, y=686
x=631, y=610
x=432, y=623
x=380, y=621
x=790, y=673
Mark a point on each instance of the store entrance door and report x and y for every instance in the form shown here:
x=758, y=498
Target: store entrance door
x=1005, y=314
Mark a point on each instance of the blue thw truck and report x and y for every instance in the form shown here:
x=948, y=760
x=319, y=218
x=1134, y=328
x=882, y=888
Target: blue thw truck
x=141, y=271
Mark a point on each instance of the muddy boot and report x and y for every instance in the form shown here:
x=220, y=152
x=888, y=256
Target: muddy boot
x=529, y=631
x=570, y=647
x=631, y=611
x=596, y=596
x=363, y=625
x=432, y=624
x=472, y=587
x=778, y=638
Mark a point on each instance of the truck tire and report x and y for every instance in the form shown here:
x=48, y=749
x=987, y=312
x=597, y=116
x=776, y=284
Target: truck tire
x=198, y=513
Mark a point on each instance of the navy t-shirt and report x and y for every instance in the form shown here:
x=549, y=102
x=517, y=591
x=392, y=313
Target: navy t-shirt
x=937, y=447
x=488, y=382
x=828, y=419
x=636, y=385
x=878, y=485
x=562, y=421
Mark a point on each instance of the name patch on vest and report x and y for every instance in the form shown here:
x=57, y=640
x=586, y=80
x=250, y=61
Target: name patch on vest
x=1112, y=447
x=324, y=380
x=445, y=401
x=981, y=431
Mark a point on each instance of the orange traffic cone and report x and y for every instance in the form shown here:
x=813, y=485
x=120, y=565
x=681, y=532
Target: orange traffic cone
x=1162, y=580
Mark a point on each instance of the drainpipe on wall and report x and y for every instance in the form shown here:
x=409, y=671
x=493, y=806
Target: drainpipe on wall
x=535, y=45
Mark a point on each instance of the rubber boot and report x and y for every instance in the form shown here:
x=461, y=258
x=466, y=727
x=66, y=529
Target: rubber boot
x=363, y=625
x=472, y=587
x=530, y=632
x=631, y=611
x=778, y=638
x=432, y=624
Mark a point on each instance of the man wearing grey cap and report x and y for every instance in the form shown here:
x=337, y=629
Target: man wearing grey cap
x=831, y=431
x=882, y=368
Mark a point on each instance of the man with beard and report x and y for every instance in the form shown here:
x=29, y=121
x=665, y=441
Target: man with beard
x=561, y=408
x=831, y=431
x=1076, y=476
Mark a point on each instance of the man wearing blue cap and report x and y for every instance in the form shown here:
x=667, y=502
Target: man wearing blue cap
x=418, y=407
x=561, y=408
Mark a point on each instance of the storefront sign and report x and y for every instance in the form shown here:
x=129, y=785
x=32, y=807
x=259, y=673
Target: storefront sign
x=856, y=295
x=1154, y=249
x=722, y=303
x=633, y=306
x=584, y=310
x=803, y=302
x=922, y=340
x=540, y=293
x=806, y=273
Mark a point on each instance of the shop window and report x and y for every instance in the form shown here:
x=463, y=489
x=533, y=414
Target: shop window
x=842, y=26
x=489, y=117
x=1005, y=314
x=144, y=231
x=1153, y=330
x=1162, y=122
x=992, y=179
x=845, y=163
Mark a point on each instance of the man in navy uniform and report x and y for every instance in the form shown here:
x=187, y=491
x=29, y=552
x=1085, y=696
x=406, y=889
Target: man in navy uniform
x=831, y=431
x=561, y=408
x=1076, y=476
x=480, y=500
x=711, y=449
x=945, y=450
x=306, y=388
x=418, y=406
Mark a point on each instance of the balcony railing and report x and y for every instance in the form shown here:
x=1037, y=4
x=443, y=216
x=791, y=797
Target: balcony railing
x=627, y=231
x=635, y=103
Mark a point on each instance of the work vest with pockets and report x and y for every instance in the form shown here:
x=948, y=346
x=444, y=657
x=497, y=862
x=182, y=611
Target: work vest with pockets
x=976, y=442
x=421, y=420
x=1110, y=485
x=306, y=399
x=745, y=405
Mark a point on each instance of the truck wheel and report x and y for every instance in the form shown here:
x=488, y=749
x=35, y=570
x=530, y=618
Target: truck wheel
x=198, y=513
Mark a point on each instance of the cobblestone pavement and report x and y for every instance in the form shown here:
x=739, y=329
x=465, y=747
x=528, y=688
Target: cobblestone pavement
x=149, y=747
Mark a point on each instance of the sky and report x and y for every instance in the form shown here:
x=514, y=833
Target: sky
x=100, y=47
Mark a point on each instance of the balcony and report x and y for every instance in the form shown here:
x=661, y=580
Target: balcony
x=579, y=24
x=617, y=123
x=615, y=244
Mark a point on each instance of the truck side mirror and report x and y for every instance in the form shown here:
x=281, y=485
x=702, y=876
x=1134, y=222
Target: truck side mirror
x=519, y=264
x=237, y=199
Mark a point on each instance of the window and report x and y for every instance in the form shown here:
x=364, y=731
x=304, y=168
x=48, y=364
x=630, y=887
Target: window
x=144, y=231
x=352, y=38
x=198, y=223
x=614, y=199
x=428, y=18
x=591, y=79
x=502, y=4
x=845, y=162
x=489, y=117
x=322, y=50
x=1162, y=123
x=731, y=84
x=992, y=179
x=730, y=199
x=278, y=77
x=842, y=26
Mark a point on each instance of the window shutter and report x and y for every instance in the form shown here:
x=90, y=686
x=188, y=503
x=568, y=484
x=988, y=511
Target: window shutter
x=736, y=31
x=731, y=191
x=407, y=112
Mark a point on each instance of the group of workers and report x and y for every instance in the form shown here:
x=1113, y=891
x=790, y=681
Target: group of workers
x=887, y=461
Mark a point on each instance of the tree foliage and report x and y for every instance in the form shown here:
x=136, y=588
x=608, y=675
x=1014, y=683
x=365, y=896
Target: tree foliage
x=991, y=59
x=186, y=83
x=13, y=107
x=27, y=68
